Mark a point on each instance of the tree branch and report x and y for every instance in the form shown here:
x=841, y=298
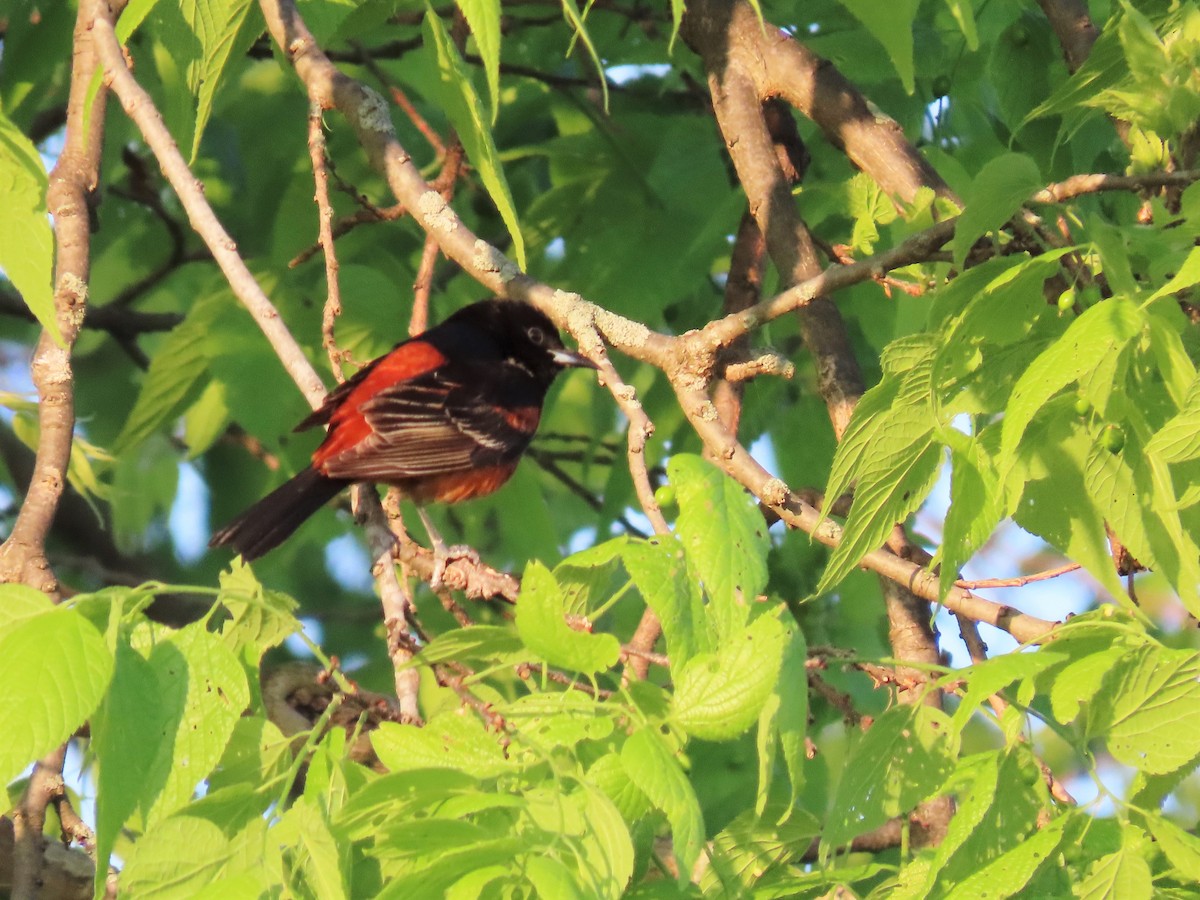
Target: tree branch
x=140, y=108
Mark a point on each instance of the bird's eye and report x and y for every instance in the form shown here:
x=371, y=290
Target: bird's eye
x=536, y=336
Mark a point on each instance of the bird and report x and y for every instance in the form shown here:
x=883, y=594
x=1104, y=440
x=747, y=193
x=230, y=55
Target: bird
x=444, y=416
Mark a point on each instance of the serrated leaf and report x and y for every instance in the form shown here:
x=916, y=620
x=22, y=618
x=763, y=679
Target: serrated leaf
x=558, y=719
x=450, y=740
x=542, y=625
x=724, y=536
x=483, y=17
x=1048, y=486
x=26, y=241
x=70, y=681
x=976, y=505
x=1188, y=275
x=659, y=569
x=175, y=376
x=997, y=192
x=461, y=104
x=200, y=38
x=202, y=693
x=157, y=869
x=791, y=687
x=719, y=695
x=127, y=734
x=305, y=831
x=1007, y=875
x=609, y=775
x=657, y=773
x=599, y=853
x=995, y=674
x=752, y=847
x=1141, y=507
x=1179, y=439
x=1149, y=710
x=1123, y=875
x=19, y=602
x=906, y=755
x=401, y=792
x=491, y=642
x=897, y=476
x=1102, y=331
x=1181, y=847
x=1103, y=68
x=892, y=25
x=975, y=802
x=1075, y=684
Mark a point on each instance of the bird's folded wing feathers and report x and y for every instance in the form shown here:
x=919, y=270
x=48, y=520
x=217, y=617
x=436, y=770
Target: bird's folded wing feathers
x=431, y=426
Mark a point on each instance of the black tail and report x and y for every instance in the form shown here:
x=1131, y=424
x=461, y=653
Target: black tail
x=270, y=521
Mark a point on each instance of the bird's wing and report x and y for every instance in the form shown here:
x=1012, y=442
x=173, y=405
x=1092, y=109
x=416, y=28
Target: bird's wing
x=431, y=425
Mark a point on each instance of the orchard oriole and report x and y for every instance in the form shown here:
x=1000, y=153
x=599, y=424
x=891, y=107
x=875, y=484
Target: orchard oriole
x=444, y=416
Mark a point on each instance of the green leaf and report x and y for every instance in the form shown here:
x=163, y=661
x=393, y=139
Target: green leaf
x=609, y=775
x=450, y=740
x=1140, y=506
x=542, y=624
x=964, y=15
x=901, y=760
x=995, y=194
x=993, y=675
x=896, y=475
x=127, y=735
x=304, y=830
x=175, y=376
x=1179, y=439
x=461, y=104
x=751, y=847
x=1149, y=709
x=1052, y=496
x=791, y=689
x=26, y=241
x=1100, y=333
x=63, y=655
x=1188, y=275
x=725, y=538
x=490, y=642
x=658, y=567
x=19, y=602
x=974, y=804
x=892, y=25
x=483, y=16
x=1007, y=875
x=557, y=719
x=158, y=869
x=599, y=852
x=719, y=695
x=576, y=20
x=1123, y=875
x=976, y=505
x=202, y=694
x=200, y=39
x=1181, y=847
x=657, y=773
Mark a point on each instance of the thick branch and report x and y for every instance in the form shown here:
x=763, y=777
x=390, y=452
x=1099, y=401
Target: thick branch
x=1074, y=28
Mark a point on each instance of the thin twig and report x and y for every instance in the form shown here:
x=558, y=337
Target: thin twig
x=1018, y=581
x=333, y=296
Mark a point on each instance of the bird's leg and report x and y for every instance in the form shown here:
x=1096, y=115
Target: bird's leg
x=442, y=555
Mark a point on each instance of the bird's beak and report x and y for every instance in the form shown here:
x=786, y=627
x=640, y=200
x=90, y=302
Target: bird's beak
x=571, y=359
